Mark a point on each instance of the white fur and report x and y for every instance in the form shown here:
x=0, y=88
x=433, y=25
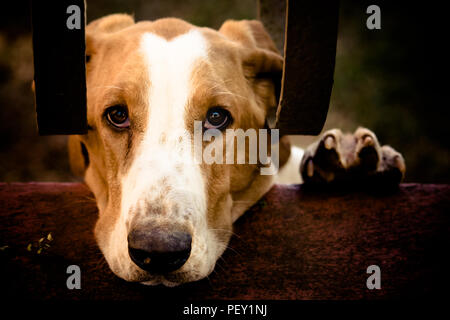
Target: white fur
x=290, y=173
x=164, y=185
x=169, y=69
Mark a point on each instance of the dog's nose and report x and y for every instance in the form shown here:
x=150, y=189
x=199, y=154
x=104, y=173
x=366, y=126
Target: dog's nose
x=159, y=251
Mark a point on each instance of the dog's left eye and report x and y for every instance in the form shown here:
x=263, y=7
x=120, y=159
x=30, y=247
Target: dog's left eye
x=118, y=116
x=217, y=118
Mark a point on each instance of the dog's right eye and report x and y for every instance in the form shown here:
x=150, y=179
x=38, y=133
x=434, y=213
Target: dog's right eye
x=118, y=116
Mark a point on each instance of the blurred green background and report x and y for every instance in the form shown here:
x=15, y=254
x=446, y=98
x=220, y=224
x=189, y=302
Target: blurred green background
x=390, y=80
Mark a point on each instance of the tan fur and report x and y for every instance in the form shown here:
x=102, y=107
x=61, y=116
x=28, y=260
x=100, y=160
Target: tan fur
x=243, y=71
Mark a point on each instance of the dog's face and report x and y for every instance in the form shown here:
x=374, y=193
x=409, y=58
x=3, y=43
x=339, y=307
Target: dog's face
x=165, y=217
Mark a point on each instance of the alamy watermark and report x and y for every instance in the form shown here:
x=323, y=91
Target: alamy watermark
x=373, y=22
x=374, y=281
x=74, y=280
x=231, y=147
x=74, y=19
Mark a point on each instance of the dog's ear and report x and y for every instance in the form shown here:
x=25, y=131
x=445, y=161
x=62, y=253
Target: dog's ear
x=250, y=33
x=78, y=156
x=263, y=67
x=261, y=61
x=103, y=27
x=260, y=55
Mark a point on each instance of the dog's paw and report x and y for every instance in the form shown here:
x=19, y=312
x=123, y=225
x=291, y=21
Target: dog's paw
x=352, y=159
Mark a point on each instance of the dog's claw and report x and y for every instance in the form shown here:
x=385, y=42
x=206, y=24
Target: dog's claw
x=367, y=150
x=368, y=141
x=310, y=168
x=329, y=142
x=400, y=163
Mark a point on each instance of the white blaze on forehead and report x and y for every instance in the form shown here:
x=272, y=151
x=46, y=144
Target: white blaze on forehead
x=170, y=65
x=164, y=175
x=163, y=158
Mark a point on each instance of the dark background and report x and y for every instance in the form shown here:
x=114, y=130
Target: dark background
x=392, y=81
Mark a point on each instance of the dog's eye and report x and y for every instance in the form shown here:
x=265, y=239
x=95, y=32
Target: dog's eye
x=118, y=116
x=217, y=118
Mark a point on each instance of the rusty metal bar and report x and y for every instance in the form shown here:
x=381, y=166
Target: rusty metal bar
x=309, y=52
x=272, y=14
x=59, y=66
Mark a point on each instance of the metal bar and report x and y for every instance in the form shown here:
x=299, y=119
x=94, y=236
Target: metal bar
x=309, y=53
x=272, y=14
x=59, y=66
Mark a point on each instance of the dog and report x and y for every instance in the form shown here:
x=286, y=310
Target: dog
x=165, y=218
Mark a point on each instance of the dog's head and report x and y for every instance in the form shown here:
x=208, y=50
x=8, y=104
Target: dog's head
x=165, y=217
